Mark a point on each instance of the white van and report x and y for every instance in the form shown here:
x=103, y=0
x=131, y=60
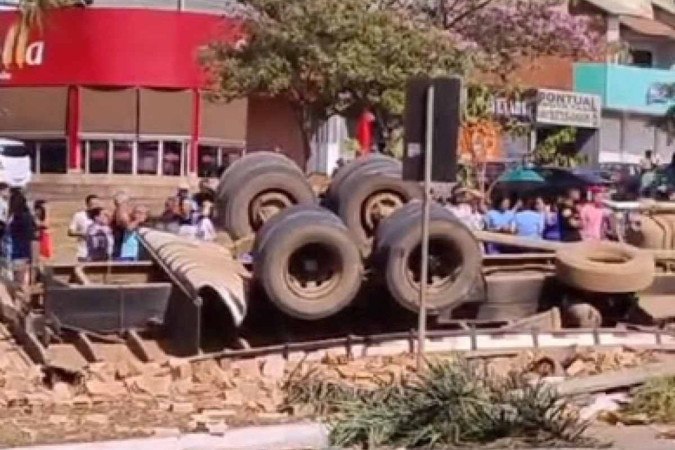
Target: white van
x=14, y=163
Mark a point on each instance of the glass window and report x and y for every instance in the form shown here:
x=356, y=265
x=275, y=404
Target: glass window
x=173, y=158
x=98, y=156
x=123, y=152
x=207, y=163
x=148, y=158
x=53, y=156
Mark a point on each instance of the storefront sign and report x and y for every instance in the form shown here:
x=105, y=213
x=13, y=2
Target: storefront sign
x=111, y=47
x=660, y=93
x=17, y=53
x=521, y=110
x=566, y=108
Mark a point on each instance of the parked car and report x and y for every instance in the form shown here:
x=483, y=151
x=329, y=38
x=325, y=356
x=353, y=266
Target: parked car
x=14, y=163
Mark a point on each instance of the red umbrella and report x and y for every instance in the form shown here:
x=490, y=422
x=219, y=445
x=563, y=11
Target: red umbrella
x=364, y=131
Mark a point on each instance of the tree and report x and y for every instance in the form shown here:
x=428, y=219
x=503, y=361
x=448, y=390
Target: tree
x=327, y=56
x=505, y=34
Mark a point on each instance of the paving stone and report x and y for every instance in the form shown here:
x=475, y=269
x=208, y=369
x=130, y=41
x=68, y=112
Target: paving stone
x=247, y=368
x=61, y=392
x=180, y=369
x=274, y=367
x=182, y=408
x=208, y=372
x=106, y=389
x=165, y=432
x=58, y=419
x=96, y=419
x=153, y=386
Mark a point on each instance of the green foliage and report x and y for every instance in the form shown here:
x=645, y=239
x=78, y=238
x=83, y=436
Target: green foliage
x=656, y=399
x=326, y=56
x=451, y=404
x=558, y=149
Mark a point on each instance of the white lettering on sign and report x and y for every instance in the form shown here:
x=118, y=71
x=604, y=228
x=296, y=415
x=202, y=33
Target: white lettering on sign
x=35, y=53
x=566, y=108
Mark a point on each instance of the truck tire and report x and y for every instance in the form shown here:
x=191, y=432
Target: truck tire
x=308, y=265
x=250, y=162
x=455, y=260
x=296, y=214
x=348, y=169
x=263, y=192
x=363, y=202
x=605, y=267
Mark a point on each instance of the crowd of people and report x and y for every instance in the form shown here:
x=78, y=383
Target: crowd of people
x=112, y=234
x=566, y=219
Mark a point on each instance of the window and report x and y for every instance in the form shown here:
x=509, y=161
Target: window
x=207, y=162
x=53, y=156
x=172, y=158
x=123, y=157
x=642, y=58
x=99, y=153
x=213, y=160
x=148, y=158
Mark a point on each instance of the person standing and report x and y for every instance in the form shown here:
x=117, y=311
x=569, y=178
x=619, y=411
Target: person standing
x=80, y=224
x=43, y=229
x=121, y=221
x=529, y=222
x=500, y=220
x=593, y=218
x=100, y=240
x=205, y=229
x=569, y=217
x=21, y=233
x=131, y=246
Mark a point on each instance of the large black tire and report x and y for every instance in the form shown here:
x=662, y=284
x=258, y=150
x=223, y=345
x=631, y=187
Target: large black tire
x=250, y=162
x=274, y=186
x=307, y=264
x=455, y=259
x=308, y=213
x=358, y=196
x=343, y=173
x=605, y=267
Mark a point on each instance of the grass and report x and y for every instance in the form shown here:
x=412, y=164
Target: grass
x=452, y=404
x=656, y=399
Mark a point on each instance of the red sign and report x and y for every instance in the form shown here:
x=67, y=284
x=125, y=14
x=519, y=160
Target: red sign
x=111, y=47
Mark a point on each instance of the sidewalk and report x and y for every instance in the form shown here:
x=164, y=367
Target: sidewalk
x=305, y=436
x=278, y=437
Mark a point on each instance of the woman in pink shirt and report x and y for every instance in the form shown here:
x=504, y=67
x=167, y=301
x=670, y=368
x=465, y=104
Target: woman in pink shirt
x=593, y=218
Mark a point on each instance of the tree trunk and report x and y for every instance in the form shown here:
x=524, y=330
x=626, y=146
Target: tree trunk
x=306, y=126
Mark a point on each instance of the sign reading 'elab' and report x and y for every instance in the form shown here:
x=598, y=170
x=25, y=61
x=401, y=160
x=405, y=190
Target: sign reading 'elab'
x=18, y=52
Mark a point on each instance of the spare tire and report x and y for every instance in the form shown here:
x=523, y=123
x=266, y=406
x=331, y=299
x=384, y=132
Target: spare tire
x=250, y=162
x=605, y=267
x=259, y=194
x=454, y=255
x=348, y=169
x=307, y=263
x=364, y=201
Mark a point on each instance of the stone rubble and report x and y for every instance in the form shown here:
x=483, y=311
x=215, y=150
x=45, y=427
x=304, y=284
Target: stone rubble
x=121, y=399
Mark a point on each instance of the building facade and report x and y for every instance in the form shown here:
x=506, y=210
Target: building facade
x=631, y=83
x=117, y=94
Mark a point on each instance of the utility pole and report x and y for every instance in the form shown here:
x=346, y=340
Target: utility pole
x=424, y=263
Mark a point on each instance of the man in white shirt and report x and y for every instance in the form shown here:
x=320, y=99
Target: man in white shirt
x=80, y=224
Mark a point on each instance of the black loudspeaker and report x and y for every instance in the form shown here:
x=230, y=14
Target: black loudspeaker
x=446, y=119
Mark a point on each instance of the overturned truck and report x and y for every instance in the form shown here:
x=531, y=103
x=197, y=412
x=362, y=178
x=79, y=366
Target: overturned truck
x=328, y=261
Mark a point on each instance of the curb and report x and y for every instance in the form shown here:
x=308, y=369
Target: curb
x=278, y=437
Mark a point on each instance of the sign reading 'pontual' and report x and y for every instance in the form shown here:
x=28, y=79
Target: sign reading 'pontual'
x=566, y=108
